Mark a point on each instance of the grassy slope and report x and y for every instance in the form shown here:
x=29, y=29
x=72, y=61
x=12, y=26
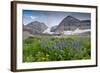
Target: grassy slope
x=49, y=48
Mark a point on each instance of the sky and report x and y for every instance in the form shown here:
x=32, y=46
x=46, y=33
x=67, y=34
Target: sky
x=51, y=18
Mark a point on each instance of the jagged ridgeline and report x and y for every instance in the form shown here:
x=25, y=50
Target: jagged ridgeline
x=71, y=23
x=33, y=28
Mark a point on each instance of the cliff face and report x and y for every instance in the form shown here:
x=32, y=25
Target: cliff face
x=35, y=27
x=70, y=23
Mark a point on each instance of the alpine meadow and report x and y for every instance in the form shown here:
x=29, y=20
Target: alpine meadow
x=56, y=36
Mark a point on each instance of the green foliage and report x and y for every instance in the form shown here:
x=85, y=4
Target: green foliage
x=50, y=48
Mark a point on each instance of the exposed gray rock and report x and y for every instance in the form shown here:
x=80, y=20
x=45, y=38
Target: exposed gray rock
x=71, y=23
x=35, y=27
x=53, y=28
x=85, y=24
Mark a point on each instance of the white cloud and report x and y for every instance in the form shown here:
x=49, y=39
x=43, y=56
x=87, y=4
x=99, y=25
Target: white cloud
x=33, y=17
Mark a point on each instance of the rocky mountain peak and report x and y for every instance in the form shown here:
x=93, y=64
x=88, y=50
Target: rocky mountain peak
x=35, y=27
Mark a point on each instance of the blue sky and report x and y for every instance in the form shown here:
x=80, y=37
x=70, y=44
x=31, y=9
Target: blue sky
x=51, y=18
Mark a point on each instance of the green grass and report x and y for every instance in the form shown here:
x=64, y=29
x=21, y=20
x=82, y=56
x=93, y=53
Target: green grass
x=50, y=48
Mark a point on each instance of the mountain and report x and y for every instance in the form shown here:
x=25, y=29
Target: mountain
x=71, y=23
x=53, y=28
x=68, y=23
x=35, y=27
x=85, y=24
